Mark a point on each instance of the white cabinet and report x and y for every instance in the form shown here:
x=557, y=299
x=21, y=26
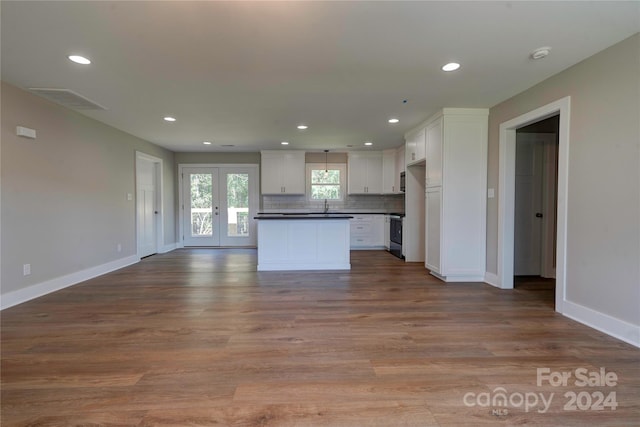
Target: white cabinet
x=392, y=165
x=367, y=231
x=389, y=182
x=433, y=154
x=300, y=244
x=282, y=172
x=400, y=161
x=433, y=200
x=455, y=194
x=415, y=146
x=387, y=232
x=365, y=173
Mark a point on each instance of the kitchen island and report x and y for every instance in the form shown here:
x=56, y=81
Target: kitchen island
x=303, y=242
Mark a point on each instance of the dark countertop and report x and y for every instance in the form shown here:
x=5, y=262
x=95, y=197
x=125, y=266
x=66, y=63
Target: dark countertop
x=303, y=216
x=345, y=212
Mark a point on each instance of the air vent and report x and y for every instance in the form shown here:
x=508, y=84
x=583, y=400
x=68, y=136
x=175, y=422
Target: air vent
x=68, y=98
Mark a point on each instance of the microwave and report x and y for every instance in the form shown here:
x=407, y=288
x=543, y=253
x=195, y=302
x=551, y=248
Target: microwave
x=402, y=180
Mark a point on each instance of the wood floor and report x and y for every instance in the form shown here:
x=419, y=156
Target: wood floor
x=199, y=338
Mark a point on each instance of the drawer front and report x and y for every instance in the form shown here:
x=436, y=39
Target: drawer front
x=360, y=228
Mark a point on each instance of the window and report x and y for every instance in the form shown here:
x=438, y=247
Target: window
x=325, y=182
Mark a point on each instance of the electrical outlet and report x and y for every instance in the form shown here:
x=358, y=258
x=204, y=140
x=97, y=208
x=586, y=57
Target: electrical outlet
x=26, y=269
x=119, y=247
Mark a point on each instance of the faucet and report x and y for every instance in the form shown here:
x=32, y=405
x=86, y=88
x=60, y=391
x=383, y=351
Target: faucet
x=326, y=206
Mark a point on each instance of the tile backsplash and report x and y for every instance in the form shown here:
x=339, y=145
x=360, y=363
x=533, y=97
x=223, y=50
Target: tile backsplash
x=378, y=203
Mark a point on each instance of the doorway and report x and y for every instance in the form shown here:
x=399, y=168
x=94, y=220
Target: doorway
x=149, y=218
x=218, y=205
x=536, y=198
x=506, y=201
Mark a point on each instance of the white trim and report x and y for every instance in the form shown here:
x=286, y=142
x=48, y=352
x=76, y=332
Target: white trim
x=617, y=328
x=492, y=279
x=507, y=151
x=159, y=171
x=285, y=266
x=167, y=248
x=40, y=289
x=456, y=278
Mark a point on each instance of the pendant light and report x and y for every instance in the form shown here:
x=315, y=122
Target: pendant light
x=326, y=164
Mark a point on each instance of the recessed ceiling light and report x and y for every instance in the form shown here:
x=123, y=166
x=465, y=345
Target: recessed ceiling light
x=206, y=142
x=303, y=127
x=540, y=52
x=393, y=121
x=368, y=143
x=79, y=59
x=451, y=66
x=169, y=119
x=284, y=143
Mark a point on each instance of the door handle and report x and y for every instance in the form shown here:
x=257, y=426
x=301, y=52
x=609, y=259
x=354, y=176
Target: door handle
x=538, y=215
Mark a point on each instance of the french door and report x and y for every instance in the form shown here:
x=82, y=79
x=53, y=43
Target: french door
x=219, y=204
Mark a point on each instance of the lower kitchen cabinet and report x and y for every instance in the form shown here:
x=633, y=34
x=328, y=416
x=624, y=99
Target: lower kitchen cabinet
x=367, y=231
x=433, y=200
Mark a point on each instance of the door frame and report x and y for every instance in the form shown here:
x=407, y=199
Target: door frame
x=506, y=201
x=181, y=168
x=159, y=191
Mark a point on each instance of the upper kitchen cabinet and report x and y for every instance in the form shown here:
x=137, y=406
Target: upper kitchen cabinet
x=282, y=172
x=392, y=166
x=433, y=172
x=400, y=161
x=415, y=147
x=365, y=172
x=389, y=182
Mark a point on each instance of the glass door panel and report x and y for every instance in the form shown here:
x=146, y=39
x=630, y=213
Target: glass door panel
x=201, y=207
x=239, y=194
x=237, y=204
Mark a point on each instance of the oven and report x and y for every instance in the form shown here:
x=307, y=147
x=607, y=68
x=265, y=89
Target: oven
x=395, y=235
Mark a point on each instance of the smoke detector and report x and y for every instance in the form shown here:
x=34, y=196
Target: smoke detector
x=540, y=52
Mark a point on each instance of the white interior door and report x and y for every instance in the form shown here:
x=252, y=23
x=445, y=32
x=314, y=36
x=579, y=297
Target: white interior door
x=146, y=208
x=201, y=207
x=535, y=204
x=528, y=206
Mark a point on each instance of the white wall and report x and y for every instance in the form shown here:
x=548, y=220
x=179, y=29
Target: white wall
x=64, y=195
x=603, y=231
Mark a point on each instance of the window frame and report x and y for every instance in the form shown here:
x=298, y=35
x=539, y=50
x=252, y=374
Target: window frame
x=342, y=167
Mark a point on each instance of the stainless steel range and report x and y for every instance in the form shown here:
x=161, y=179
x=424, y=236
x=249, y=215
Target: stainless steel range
x=395, y=235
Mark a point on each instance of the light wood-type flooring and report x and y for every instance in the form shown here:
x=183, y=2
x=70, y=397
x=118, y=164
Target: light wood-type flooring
x=197, y=337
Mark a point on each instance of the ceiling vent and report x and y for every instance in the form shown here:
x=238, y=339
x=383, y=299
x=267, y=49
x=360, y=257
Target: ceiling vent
x=68, y=98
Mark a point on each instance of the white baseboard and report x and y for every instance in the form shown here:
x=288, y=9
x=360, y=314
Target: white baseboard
x=492, y=279
x=276, y=266
x=40, y=289
x=168, y=248
x=617, y=328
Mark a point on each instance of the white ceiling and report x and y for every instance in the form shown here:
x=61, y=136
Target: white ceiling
x=246, y=73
